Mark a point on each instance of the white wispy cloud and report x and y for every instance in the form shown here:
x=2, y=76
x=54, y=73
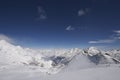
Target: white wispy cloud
x=114, y=37
x=41, y=13
x=102, y=41
x=83, y=12
x=118, y=37
x=70, y=28
x=117, y=31
x=6, y=38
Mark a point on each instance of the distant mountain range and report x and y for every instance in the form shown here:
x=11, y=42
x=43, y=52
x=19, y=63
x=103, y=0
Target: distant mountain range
x=53, y=60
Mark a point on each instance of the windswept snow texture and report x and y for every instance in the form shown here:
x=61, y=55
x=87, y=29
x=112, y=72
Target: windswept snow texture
x=17, y=63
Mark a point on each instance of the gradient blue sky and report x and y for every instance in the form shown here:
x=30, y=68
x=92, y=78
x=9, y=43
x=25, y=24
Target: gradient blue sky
x=61, y=23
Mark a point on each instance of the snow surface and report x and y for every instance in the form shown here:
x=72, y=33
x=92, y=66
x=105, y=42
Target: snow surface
x=18, y=63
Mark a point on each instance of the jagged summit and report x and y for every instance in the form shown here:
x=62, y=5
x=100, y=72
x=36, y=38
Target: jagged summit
x=92, y=51
x=16, y=55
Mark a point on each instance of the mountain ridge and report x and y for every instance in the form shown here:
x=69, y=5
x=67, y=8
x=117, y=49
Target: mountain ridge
x=16, y=55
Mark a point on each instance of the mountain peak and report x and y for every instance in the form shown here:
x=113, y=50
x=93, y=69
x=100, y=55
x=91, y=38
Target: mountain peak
x=4, y=43
x=92, y=51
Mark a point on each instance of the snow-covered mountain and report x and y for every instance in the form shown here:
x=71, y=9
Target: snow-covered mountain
x=98, y=56
x=18, y=63
x=52, y=61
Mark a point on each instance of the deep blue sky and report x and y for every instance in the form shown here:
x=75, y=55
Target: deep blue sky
x=61, y=23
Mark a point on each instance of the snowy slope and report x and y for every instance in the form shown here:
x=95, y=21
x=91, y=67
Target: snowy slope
x=16, y=55
x=54, y=58
x=103, y=73
x=50, y=61
x=20, y=63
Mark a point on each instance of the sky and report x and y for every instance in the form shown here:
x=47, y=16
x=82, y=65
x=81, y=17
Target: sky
x=60, y=23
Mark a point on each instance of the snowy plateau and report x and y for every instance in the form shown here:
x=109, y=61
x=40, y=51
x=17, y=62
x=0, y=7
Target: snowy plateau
x=18, y=63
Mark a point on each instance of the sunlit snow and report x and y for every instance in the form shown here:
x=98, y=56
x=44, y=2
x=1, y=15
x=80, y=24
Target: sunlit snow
x=18, y=63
